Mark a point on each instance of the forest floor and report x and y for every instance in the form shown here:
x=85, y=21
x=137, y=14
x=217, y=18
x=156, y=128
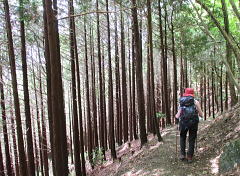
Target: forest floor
x=161, y=159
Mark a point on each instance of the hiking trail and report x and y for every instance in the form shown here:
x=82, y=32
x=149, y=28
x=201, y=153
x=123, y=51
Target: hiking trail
x=160, y=158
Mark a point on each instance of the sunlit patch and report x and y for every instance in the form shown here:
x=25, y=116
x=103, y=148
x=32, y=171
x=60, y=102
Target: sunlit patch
x=155, y=146
x=215, y=165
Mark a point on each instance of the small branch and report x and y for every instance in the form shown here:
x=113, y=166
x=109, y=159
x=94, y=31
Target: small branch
x=100, y=12
x=85, y=13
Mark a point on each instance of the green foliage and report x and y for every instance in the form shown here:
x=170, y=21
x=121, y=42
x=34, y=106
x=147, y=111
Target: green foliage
x=98, y=156
x=29, y=11
x=160, y=115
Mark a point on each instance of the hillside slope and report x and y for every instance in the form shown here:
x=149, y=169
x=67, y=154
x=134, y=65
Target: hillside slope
x=161, y=159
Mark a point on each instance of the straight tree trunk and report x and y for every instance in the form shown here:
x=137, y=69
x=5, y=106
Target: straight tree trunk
x=221, y=88
x=175, y=86
x=124, y=83
x=21, y=150
x=139, y=76
x=59, y=123
x=101, y=103
x=118, y=87
x=226, y=92
x=134, y=89
x=5, y=128
x=70, y=113
x=89, y=118
x=79, y=104
x=205, y=92
x=30, y=153
x=130, y=87
x=94, y=103
x=234, y=99
x=38, y=121
x=209, y=96
x=152, y=88
x=48, y=72
x=76, y=142
x=110, y=93
x=44, y=132
x=15, y=151
x=2, y=173
x=213, y=90
x=104, y=100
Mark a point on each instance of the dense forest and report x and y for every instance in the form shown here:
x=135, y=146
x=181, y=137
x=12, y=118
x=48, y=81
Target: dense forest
x=78, y=78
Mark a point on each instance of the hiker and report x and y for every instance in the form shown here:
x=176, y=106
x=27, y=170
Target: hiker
x=188, y=118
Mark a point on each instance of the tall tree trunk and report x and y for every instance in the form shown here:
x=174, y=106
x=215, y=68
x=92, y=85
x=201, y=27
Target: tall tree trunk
x=15, y=151
x=226, y=92
x=76, y=142
x=94, y=103
x=2, y=173
x=134, y=89
x=35, y=145
x=38, y=120
x=70, y=114
x=205, y=92
x=44, y=131
x=5, y=128
x=101, y=103
x=48, y=72
x=89, y=118
x=221, y=88
x=130, y=87
x=175, y=86
x=30, y=153
x=21, y=150
x=124, y=83
x=79, y=104
x=110, y=93
x=104, y=100
x=118, y=87
x=139, y=76
x=152, y=88
x=229, y=53
x=59, y=121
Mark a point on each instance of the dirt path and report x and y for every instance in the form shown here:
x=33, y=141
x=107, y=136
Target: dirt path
x=160, y=159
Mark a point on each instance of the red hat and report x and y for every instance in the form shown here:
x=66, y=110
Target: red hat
x=189, y=92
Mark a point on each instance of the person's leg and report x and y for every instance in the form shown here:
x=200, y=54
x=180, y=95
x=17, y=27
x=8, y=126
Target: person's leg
x=183, y=135
x=192, y=139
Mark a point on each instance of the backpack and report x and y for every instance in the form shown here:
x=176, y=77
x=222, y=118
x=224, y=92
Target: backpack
x=189, y=114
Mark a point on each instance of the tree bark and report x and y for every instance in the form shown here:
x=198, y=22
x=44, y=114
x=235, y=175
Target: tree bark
x=229, y=53
x=152, y=87
x=38, y=121
x=5, y=128
x=15, y=151
x=89, y=118
x=30, y=153
x=110, y=93
x=101, y=103
x=118, y=87
x=21, y=150
x=93, y=80
x=139, y=76
x=59, y=123
x=48, y=72
x=76, y=142
x=124, y=83
x=2, y=173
